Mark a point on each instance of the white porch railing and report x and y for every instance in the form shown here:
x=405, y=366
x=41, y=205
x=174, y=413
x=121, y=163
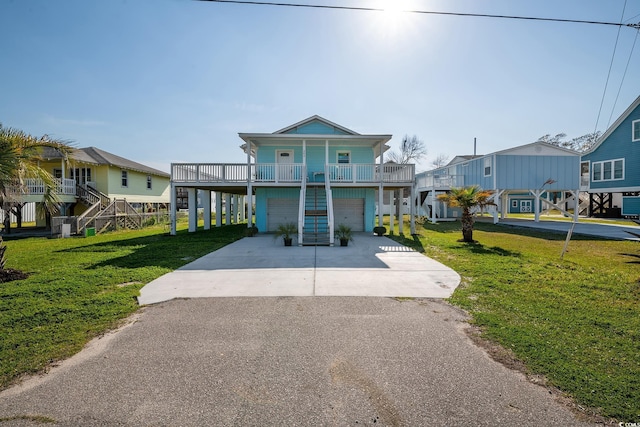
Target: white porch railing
x=439, y=181
x=63, y=186
x=288, y=172
x=364, y=173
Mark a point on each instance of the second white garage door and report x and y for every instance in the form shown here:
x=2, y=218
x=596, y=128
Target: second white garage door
x=349, y=212
x=280, y=211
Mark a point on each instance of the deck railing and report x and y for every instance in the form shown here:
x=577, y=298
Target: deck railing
x=63, y=186
x=439, y=181
x=288, y=172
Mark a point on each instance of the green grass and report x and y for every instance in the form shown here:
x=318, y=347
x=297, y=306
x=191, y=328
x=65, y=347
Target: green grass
x=81, y=287
x=576, y=320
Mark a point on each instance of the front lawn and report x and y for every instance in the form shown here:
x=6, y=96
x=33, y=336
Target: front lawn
x=576, y=321
x=78, y=288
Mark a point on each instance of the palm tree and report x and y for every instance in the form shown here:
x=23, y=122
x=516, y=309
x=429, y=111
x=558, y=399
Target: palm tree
x=467, y=198
x=19, y=156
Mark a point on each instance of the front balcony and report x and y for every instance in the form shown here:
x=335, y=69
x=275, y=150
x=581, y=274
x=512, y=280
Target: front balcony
x=36, y=187
x=278, y=173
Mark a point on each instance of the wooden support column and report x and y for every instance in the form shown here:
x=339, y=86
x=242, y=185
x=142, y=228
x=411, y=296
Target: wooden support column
x=249, y=187
x=401, y=214
x=218, y=209
x=206, y=211
x=241, y=206
x=381, y=185
x=192, y=194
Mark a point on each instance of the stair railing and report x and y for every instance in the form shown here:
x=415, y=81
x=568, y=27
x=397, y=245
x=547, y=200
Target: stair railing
x=301, y=206
x=327, y=187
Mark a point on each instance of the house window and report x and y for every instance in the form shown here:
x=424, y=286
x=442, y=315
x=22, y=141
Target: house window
x=148, y=182
x=344, y=157
x=609, y=170
x=514, y=203
x=125, y=179
x=635, y=130
x=487, y=166
x=57, y=173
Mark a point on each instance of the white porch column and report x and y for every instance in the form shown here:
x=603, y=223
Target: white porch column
x=227, y=209
x=249, y=187
x=401, y=217
x=241, y=208
x=192, y=194
x=206, y=212
x=536, y=207
x=381, y=186
x=433, y=206
x=392, y=210
x=412, y=213
x=576, y=204
x=174, y=209
x=236, y=208
x=218, y=209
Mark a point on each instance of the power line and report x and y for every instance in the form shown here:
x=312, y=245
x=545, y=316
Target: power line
x=426, y=12
x=623, y=77
x=615, y=46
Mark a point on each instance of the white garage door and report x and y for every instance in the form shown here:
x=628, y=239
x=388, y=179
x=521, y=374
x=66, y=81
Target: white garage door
x=349, y=212
x=280, y=211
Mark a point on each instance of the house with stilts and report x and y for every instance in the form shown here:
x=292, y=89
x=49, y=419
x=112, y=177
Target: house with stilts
x=528, y=178
x=609, y=170
x=314, y=173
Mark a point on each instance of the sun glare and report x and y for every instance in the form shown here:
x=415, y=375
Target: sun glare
x=393, y=17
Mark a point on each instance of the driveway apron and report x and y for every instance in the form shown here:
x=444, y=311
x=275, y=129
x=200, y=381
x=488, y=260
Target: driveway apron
x=262, y=266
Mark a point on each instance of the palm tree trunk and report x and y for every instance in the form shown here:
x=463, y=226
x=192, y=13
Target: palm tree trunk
x=467, y=226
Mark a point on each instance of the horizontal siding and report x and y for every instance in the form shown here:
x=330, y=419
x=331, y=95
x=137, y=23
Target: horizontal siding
x=619, y=145
x=631, y=206
x=317, y=128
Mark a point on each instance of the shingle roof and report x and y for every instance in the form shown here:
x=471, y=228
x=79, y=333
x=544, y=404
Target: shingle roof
x=97, y=156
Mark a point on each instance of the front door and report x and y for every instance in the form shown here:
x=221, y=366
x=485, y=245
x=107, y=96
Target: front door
x=284, y=165
x=525, y=206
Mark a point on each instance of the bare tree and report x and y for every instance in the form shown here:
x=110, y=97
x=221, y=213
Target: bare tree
x=440, y=161
x=580, y=144
x=411, y=148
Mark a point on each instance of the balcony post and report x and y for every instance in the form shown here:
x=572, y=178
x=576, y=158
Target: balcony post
x=381, y=186
x=173, y=209
x=218, y=209
x=206, y=211
x=192, y=194
x=412, y=212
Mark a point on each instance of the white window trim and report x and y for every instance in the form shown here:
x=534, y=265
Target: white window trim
x=338, y=156
x=149, y=182
x=601, y=163
x=484, y=166
x=124, y=174
x=633, y=128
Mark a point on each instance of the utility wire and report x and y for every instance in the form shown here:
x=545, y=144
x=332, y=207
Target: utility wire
x=623, y=76
x=425, y=12
x=615, y=46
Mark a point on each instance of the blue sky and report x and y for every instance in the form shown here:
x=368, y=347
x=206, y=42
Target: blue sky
x=162, y=81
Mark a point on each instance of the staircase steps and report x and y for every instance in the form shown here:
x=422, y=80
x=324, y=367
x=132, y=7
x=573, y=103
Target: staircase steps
x=315, y=231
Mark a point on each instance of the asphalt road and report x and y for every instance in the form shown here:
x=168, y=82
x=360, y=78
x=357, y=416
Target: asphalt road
x=286, y=361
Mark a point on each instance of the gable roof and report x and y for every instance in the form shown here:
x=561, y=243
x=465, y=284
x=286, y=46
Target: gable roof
x=97, y=156
x=538, y=148
x=615, y=125
x=315, y=118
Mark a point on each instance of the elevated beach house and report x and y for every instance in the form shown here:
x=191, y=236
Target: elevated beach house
x=91, y=180
x=527, y=178
x=314, y=173
x=611, y=168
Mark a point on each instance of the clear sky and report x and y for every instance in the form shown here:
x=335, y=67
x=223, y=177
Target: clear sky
x=162, y=81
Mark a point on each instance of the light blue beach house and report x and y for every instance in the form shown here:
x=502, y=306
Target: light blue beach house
x=314, y=173
x=528, y=178
x=611, y=168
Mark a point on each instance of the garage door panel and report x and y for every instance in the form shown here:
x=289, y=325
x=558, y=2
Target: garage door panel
x=280, y=211
x=349, y=212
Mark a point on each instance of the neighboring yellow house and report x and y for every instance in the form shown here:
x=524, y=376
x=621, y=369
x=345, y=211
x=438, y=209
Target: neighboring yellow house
x=93, y=178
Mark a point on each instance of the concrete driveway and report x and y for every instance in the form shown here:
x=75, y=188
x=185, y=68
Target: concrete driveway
x=303, y=361
x=262, y=266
